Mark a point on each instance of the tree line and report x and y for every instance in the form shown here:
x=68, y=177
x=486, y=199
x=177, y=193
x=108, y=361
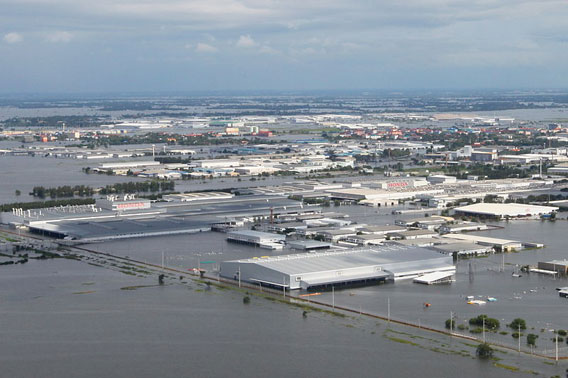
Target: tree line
x=118, y=188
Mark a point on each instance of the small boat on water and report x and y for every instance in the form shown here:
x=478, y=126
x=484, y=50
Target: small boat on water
x=470, y=297
x=426, y=305
x=516, y=275
x=476, y=302
x=491, y=299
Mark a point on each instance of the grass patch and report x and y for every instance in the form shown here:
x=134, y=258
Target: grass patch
x=503, y=366
x=136, y=287
x=402, y=341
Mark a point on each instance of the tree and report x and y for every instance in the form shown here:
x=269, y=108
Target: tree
x=484, y=351
x=18, y=192
x=518, y=322
x=490, y=323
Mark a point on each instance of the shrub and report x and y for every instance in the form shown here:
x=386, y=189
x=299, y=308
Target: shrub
x=484, y=351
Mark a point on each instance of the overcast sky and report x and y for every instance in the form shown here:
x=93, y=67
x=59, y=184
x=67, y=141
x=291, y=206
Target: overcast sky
x=188, y=45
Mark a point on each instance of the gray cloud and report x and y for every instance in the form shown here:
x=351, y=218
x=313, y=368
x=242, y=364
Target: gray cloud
x=293, y=41
x=13, y=38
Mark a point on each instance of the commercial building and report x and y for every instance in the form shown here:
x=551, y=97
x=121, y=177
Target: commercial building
x=310, y=270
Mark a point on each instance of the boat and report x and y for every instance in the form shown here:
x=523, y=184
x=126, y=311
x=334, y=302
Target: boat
x=491, y=299
x=426, y=304
x=516, y=275
x=470, y=297
x=476, y=302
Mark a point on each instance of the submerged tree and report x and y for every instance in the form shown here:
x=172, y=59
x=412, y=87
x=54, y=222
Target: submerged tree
x=484, y=351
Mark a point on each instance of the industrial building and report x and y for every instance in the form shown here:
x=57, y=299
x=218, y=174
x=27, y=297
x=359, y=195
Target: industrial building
x=128, y=202
x=506, y=210
x=353, y=266
x=559, y=266
x=87, y=223
x=413, y=234
x=501, y=244
x=198, y=196
x=380, y=229
x=260, y=239
x=463, y=248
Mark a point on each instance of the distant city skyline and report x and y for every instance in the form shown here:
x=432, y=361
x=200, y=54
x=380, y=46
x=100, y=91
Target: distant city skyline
x=272, y=45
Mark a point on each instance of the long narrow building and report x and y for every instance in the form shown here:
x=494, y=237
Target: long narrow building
x=367, y=265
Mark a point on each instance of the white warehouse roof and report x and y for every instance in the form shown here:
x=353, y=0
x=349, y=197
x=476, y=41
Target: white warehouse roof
x=323, y=268
x=506, y=209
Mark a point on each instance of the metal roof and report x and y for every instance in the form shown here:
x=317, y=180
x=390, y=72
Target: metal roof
x=343, y=260
x=504, y=209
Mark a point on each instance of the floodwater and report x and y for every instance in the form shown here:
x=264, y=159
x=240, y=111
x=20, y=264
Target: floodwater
x=532, y=297
x=65, y=318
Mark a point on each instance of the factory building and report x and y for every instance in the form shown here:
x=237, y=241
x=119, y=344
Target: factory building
x=354, y=266
x=126, y=202
x=257, y=238
x=506, y=210
x=380, y=229
x=441, y=179
x=559, y=266
x=462, y=248
x=503, y=245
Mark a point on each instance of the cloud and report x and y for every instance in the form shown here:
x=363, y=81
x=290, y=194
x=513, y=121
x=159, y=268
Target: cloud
x=13, y=38
x=59, y=37
x=246, y=41
x=205, y=48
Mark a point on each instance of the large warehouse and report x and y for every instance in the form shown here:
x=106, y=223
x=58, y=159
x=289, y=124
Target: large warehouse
x=308, y=270
x=506, y=210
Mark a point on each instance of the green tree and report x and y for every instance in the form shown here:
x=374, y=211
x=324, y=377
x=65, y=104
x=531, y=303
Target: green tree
x=484, y=351
x=490, y=323
x=518, y=322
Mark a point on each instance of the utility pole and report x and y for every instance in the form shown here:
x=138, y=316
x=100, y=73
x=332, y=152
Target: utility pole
x=162, y=260
x=239, y=276
x=333, y=297
x=519, y=338
x=484, y=329
x=556, y=346
x=388, y=309
x=284, y=286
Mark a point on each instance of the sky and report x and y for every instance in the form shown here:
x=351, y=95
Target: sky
x=64, y=46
